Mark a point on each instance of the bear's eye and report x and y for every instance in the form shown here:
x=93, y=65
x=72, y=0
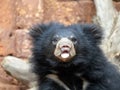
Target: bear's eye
x=55, y=40
x=73, y=39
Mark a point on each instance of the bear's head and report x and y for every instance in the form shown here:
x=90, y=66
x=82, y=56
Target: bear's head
x=64, y=43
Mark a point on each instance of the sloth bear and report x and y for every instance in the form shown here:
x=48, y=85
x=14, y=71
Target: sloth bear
x=69, y=58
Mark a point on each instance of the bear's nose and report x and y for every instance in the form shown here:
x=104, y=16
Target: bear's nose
x=64, y=42
x=65, y=46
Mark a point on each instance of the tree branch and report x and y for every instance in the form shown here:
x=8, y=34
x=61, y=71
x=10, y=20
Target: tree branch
x=109, y=19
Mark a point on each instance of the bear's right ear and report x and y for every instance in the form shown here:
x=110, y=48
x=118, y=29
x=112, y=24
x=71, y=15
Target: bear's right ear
x=37, y=30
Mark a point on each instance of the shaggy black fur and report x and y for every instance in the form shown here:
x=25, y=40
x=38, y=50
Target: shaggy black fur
x=89, y=63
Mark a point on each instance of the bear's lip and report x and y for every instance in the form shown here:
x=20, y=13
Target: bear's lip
x=65, y=49
x=65, y=52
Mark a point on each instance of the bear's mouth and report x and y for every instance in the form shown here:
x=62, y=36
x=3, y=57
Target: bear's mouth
x=65, y=52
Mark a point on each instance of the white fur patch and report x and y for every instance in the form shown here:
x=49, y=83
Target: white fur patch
x=57, y=80
x=85, y=84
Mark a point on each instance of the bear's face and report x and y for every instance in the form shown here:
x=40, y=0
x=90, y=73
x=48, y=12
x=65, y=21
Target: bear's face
x=64, y=42
x=55, y=40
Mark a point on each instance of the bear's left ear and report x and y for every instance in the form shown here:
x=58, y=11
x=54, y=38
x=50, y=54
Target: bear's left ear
x=94, y=32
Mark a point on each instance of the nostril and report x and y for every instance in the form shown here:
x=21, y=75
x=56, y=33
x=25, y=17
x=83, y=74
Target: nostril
x=65, y=46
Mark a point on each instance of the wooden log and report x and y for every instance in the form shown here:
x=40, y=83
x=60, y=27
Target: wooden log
x=21, y=70
x=109, y=19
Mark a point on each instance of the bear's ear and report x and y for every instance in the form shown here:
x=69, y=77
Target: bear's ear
x=94, y=32
x=37, y=30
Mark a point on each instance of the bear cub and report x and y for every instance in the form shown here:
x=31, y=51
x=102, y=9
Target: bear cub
x=64, y=57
